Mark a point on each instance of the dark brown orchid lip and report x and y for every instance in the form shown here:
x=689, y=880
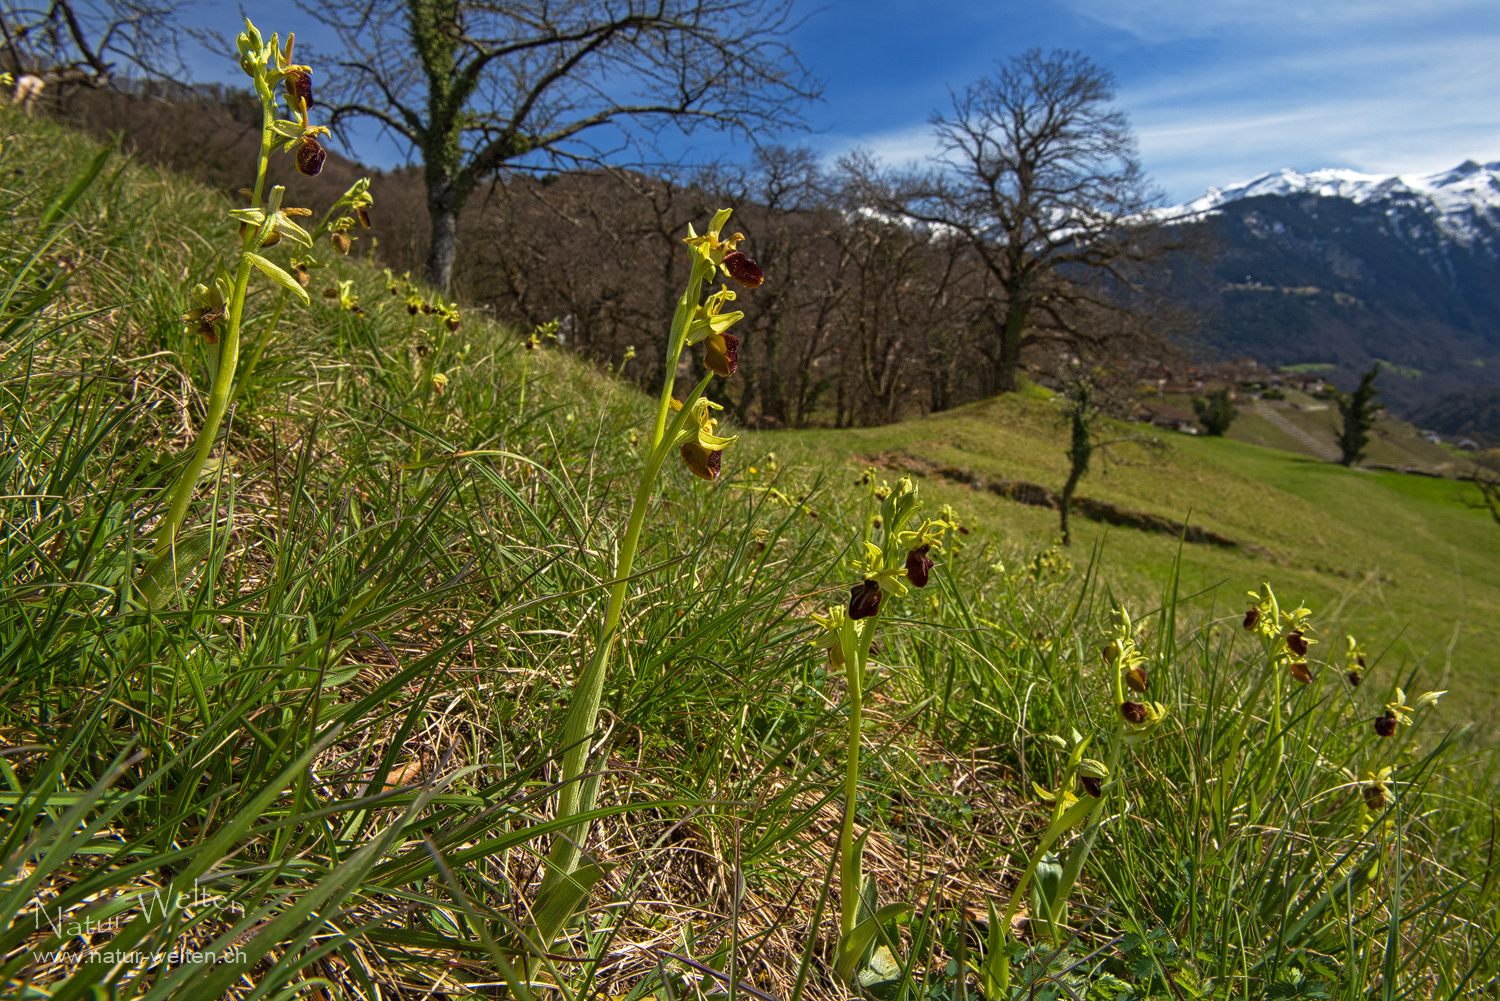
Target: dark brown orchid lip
x=722, y=362
x=743, y=270
x=1300, y=672
x=1354, y=678
x=918, y=566
x=702, y=462
x=299, y=84
x=1094, y=787
x=1296, y=643
x=1385, y=725
x=1133, y=712
x=1374, y=796
x=1137, y=680
x=864, y=599
x=310, y=157
x=1251, y=618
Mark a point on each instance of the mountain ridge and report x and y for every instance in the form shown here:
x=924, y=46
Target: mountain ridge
x=1457, y=194
x=1344, y=268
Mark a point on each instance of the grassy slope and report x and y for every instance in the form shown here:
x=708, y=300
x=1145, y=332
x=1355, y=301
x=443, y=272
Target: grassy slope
x=479, y=601
x=1394, y=443
x=1399, y=560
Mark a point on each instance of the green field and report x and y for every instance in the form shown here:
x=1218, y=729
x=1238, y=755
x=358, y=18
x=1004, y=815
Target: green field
x=1403, y=561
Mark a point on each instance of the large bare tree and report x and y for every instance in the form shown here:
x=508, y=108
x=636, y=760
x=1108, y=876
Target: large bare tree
x=1037, y=173
x=475, y=87
x=90, y=42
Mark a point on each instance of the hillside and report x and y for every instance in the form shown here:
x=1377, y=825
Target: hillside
x=1345, y=271
x=1473, y=413
x=1377, y=553
x=314, y=748
x=1310, y=426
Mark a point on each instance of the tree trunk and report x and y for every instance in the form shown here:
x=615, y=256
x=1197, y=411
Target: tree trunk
x=1016, y=318
x=1066, y=501
x=442, y=207
x=772, y=387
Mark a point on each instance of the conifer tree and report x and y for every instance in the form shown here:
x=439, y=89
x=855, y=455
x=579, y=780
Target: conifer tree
x=1358, y=410
x=1215, y=412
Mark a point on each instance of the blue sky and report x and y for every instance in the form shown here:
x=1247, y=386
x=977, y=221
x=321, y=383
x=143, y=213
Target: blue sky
x=1217, y=90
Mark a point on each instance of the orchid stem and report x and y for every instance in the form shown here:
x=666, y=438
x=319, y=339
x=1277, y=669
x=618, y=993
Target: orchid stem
x=228, y=353
x=850, y=871
x=575, y=797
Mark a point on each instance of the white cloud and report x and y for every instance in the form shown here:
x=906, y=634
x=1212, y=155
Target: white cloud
x=1226, y=90
x=897, y=148
x=1380, y=105
x=1160, y=21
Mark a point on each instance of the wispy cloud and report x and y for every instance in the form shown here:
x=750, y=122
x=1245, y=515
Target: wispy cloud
x=1162, y=21
x=903, y=147
x=1364, y=89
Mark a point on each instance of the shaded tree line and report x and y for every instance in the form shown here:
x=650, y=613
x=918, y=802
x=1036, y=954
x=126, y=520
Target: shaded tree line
x=861, y=319
x=866, y=316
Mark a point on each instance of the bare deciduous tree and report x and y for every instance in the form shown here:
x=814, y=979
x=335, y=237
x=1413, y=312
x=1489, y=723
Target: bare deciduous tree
x=1488, y=482
x=1038, y=175
x=478, y=86
x=85, y=42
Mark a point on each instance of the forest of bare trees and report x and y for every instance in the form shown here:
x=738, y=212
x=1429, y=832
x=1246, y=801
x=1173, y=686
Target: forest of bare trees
x=866, y=316
x=888, y=294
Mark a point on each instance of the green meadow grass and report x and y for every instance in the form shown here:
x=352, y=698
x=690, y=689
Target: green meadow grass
x=1406, y=562
x=326, y=753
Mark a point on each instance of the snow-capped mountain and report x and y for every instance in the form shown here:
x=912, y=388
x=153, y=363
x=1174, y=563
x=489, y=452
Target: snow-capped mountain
x=1463, y=202
x=1341, y=268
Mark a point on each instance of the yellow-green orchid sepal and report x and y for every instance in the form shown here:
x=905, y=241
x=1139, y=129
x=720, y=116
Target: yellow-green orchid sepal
x=708, y=319
x=1050, y=797
x=1092, y=768
x=706, y=425
x=280, y=277
x=929, y=534
x=839, y=635
x=1402, y=713
x=710, y=247
x=1141, y=719
x=284, y=64
x=295, y=132
x=872, y=567
x=700, y=426
x=281, y=223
